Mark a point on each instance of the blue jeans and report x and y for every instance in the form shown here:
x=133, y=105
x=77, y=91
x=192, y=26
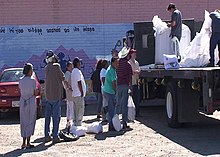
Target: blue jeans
x=53, y=108
x=136, y=98
x=110, y=98
x=215, y=40
x=122, y=103
x=99, y=102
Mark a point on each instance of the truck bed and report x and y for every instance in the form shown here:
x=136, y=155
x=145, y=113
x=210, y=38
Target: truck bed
x=183, y=73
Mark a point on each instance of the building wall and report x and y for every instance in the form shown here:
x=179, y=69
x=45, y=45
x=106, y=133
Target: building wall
x=88, y=29
x=27, y=12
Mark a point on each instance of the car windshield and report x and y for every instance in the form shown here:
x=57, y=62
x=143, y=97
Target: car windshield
x=11, y=75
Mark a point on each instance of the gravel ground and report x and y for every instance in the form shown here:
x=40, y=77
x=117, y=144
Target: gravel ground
x=149, y=136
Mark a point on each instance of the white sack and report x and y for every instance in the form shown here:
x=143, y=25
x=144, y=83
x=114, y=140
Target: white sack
x=131, y=109
x=163, y=41
x=95, y=127
x=78, y=130
x=197, y=53
x=116, y=122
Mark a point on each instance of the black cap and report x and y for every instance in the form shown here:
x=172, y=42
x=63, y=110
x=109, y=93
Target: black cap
x=76, y=61
x=49, y=54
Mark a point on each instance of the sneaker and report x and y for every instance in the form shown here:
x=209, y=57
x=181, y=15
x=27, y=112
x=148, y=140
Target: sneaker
x=48, y=139
x=56, y=140
x=99, y=116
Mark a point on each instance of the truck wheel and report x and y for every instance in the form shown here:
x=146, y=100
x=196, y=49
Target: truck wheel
x=171, y=106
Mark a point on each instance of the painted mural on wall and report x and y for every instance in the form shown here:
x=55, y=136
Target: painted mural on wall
x=29, y=43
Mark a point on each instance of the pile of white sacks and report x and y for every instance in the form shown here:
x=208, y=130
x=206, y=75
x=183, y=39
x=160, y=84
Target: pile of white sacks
x=194, y=53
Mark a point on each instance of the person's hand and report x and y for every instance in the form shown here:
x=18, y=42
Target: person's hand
x=36, y=92
x=168, y=24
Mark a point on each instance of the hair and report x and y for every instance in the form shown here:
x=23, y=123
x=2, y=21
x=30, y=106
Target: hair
x=104, y=63
x=99, y=64
x=171, y=6
x=75, y=62
x=27, y=68
x=113, y=59
x=69, y=63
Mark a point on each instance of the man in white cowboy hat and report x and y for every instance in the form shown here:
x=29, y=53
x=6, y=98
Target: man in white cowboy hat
x=124, y=75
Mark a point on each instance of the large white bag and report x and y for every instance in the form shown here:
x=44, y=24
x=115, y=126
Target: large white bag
x=131, y=109
x=116, y=122
x=78, y=130
x=197, y=53
x=95, y=127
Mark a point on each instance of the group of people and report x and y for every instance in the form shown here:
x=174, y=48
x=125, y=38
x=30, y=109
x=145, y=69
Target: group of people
x=113, y=83
x=56, y=81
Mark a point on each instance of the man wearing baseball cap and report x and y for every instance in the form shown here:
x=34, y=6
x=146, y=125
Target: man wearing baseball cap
x=79, y=91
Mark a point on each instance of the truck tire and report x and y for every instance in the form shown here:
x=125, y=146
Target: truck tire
x=171, y=106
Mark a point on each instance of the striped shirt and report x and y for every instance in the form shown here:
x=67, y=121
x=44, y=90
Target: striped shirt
x=124, y=72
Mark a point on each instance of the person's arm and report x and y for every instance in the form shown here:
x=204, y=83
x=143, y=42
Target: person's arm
x=103, y=80
x=114, y=85
x=173, y=20
x=172, y=24
x=80, y=87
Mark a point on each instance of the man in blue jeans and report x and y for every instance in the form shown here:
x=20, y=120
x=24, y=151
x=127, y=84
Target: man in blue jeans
x=215, y=37
x=109, y=90
x=54, y=93
x=124, y=75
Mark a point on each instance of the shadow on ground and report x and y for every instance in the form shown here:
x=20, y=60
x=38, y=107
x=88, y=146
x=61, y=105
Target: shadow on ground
x=201, y=137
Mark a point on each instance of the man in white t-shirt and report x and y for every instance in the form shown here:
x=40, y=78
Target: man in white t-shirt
x=135, y=81
x=79, y=91
x=105, y=65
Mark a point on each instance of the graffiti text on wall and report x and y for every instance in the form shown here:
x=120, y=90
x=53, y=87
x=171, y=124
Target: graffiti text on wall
x=40, y=31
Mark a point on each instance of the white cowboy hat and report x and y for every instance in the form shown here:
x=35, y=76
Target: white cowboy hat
x=124, y=52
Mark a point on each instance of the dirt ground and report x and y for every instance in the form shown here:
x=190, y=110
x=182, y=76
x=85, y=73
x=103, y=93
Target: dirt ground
x=149, y=136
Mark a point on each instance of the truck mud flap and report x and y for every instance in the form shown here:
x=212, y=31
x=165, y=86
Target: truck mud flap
x=188, y=103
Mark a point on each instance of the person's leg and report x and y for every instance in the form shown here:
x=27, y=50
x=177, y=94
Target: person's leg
x=111, y=109
x=67, y=113
x=105, y=107
x=81, y=109
x=124, y=104
x=48, y=113
x=175, y=46
x=118, y=99
x=136, y=97
x=29, y=145
x=23, y=143
x=99, y=104
x=74, y=111
x=213, y=43
x=218, y=49
x=56, y=117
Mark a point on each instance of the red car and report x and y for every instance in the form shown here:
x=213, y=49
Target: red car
x=10, y=93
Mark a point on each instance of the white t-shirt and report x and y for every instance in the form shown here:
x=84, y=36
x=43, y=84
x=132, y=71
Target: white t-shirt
x=76, y=76
x=135, y=67
x=102, y=74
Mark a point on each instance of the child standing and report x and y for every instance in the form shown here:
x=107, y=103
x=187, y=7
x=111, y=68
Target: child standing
x=28, y=109
x=68, y=88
